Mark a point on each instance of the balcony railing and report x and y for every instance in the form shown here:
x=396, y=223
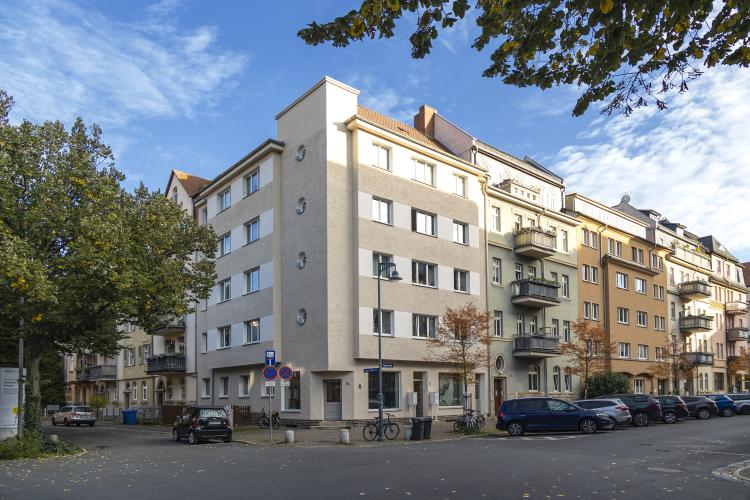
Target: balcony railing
x=696, y=323
x=737, y=333
x=536, y=345
x=103, y=372
x=693, y=257
x=535, y=242
x=82, y=375
x=736, y=307
x=695, y=289
x=166, y=363
x=533, y=292
x=174, y=325
x=699, y=358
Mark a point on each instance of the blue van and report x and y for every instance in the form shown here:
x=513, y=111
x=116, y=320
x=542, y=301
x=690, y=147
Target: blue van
x=517, y=416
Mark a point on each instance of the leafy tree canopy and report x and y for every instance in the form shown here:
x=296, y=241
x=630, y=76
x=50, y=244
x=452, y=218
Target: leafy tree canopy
x=608, y=382
x=624, y=52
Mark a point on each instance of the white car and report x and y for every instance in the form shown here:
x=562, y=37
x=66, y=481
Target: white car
x=75, y=415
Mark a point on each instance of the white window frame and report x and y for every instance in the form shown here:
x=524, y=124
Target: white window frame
x=252, y=182
x=497, y=271
x=643, y=352
x=225, y=244
x=205, y=387
x=585, y=272
x=495, y=219
x=204, y=342
x=428, y=330
x=497, y=321
x=252, y=331
x=243, y=386
x=381, y=258
x=252, y=231
x=595, y=311
x=388, y=315
x=430, y=271
x=144, y=391
x=381, y=152
x=565, y=289
x=423, y=222
x=623, y=315
x=223, y=388
x=225, y=290
x=594, y=275
x=461, y=281
x=224, y=334
x=621, y=280
x=424, y=172
x=564, y=239
x=624, y=350
x=252, y=280
x=566, y=331
x=641, y=286
x=460, y=185
x=224, y=200
x=382, y=210
x=460, y=233
x=641, y=319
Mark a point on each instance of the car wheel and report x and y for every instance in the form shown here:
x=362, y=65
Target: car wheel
x=640, y=420
x=191, y=438
x=228, y=439
x=614, y=422
x=727, y=412
x=175, y=435
x=669, y=417
x=704, y=414
x=516, y=429
x=587, y=426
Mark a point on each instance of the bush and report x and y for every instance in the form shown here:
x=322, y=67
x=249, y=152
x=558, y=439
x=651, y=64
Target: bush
x=608, y=382
x=13, y=448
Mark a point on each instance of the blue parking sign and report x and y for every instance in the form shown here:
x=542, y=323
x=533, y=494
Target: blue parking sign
x=270, y=357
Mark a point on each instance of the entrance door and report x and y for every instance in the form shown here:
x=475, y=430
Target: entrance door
x=499, y=393
x=332, y=406
x=418, y=387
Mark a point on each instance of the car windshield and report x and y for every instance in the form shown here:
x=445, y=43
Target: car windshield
x=84, y=409
x=212, y=413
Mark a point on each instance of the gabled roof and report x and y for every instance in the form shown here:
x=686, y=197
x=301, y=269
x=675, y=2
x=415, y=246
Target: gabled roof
x=400, y=128
x=715, y=246
x=191, y=183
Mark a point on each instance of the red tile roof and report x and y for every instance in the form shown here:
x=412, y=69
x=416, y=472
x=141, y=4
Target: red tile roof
x=191, y=183
x=399, y=128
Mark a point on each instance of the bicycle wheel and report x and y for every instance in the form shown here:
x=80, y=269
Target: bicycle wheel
x=275, y=422
x=263, y=421
x=392, y=430
x=457, y=425
x=481, y=421
x=370, y=432
x=471, y=425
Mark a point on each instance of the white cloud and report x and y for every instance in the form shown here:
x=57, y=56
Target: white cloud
x=690, y=162
x=385, y=98
x=61, y=60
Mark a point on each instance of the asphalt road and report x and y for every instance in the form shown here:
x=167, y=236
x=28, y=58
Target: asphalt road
x=661, y=461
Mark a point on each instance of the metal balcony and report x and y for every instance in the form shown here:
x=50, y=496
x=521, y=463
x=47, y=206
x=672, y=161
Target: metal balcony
x=535, y=243
x=536, y=345
x=692, y=324
x=736, y=307
x=737, y=333
x=174, y=326
x=699, y=358
x=103, y=372
x=166, y=363
x=533, y=292
x=82, y=375
x=696, y=289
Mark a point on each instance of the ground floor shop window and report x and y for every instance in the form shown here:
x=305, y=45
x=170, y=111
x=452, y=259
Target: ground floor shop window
x=451, y=391
x=390, y=390
x=292, y=394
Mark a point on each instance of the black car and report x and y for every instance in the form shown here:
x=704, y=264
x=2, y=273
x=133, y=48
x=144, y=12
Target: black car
x=199, y=423
x=673, y=409
x=700, y=407
x=643, y=408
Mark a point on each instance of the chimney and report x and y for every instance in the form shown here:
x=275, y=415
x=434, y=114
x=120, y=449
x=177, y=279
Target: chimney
x=424, y=121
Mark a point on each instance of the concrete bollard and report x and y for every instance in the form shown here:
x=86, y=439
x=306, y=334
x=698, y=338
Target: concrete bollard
x=407, y=434
x=344, y=436
x=289, y=437
x=53, y=438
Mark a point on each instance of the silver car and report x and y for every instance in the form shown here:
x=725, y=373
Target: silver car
x=742, y=402
x=75, y=415
x=614, y=409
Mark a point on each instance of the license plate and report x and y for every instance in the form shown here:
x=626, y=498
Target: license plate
x=214, y=424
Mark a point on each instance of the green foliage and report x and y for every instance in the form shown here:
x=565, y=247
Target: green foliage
x=625, y=52
x=98, y=401
x=32, y=420
x=13, y=448
x=608, y=382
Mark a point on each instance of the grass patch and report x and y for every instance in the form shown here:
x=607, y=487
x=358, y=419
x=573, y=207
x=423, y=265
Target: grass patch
x=13, y=448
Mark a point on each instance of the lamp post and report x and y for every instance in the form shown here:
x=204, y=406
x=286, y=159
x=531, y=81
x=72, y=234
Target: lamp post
x=393, y=276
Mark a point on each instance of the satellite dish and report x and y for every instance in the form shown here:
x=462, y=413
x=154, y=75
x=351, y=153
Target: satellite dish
x=626, y=198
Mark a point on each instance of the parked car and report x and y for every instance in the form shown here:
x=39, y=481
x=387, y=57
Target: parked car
x=516, y=416
x=616, y=410
x=727, y=408
x=75, y=415
x=700, y=407
x=643, y=408
x=200, y=423
x=742, y=402
x=673, y=409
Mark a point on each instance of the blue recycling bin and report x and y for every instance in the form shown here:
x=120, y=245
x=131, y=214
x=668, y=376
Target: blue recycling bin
x=128, y=416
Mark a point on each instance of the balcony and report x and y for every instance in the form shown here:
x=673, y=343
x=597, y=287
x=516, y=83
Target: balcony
x=737, y=333
x=534, y=292
x=535, y=243
x=693, y=324
x=696, y=289
x=175, y=325
x=699, y=358
x=82, y=375
x=536, y=345
x=103, y=372
x=736, y=307
x=693, y=257
x=166, y=363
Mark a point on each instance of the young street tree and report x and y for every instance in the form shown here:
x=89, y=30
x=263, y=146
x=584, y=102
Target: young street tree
x=628, y=53
x=673, y=364
x=587, y=351
x=739, y=364
x=461, y=342
x=80, y=254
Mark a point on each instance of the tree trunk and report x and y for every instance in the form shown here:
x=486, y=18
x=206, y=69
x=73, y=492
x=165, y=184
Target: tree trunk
x=32, y=412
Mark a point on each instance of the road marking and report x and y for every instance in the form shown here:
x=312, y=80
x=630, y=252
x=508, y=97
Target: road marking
x=662, y=469
x=734, y=471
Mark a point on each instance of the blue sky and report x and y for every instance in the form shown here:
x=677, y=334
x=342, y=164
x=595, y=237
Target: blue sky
x=195, y=85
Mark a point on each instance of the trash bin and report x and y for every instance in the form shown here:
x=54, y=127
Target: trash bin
x=128, y=416
x=417, y=429
x=427, y=427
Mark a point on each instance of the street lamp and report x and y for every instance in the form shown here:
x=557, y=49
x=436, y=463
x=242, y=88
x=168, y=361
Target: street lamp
x=393, y=276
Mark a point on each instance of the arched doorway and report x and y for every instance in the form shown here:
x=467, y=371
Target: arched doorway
x=160, y=393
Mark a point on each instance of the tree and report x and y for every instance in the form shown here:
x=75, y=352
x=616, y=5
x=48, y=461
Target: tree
x=80, y=254
x=608, y=382
x=461, y=341
x=587, y=351
x=629, y=52
x=739, y=364
x=673, y=365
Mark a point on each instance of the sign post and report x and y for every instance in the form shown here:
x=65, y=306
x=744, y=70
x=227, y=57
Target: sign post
x=270, y=373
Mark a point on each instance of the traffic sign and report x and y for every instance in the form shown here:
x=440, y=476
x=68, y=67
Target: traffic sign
x=371, y=370
x=286, y=373
x=387, y=365
x=270, y=357
x=270, y=373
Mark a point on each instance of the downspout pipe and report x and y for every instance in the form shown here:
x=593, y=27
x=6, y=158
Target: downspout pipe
x=484, y=181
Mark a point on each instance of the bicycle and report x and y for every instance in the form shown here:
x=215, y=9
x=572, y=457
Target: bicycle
x=480, y=418
x=467, y=422
x=390, y=429
x=263, y=419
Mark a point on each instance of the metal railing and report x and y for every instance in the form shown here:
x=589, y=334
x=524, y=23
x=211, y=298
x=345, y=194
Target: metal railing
x=737, y=333
x=535, y=236
x=166, y=363
x=699, y=358
x=536, y=342
x=696, y=322
x=532, y=287
x=695, y=287
x=693, y=257
x=103, y=372
x=737, y=307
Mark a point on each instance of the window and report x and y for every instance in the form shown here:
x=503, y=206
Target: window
x=519, y=323
x=637, y=255
x=252, y=280
x=495, y=222
x=252, y=331
x=565, y=286
x=556, y=378
x=568, y=382
x=252, y=230
x=381, y=258
x=718, y=382
x=595, y=312
x=225, y=290
x=387, y=322
x=204, y=216
x=206, y=387
x=423, y=273
x=594, y=275
x=293, y=393
x=390, y=390
x=382, y=210
x=566, y=331
x=639, y=385
x=460, y=233
x=423, y=326
x=555, y=327
x=450, y=389
x=252, y=182
x=459, y=185
x=623, y=315
x=225, y=337
x=564, y=239
x=518, y=222
x=554, y=277
x=660, y=323
x=621, y=280
x=585, y=237
x=225, y=244
x=532, y=324
x=224, y=199
x=144, y=391
x=423, y=222
x=658, y=292
x=519, y=272
x=382, y=157
x=624, y=350
x=659, y=353
x=223, y=387
x=497, y=271
x=461, y=280
x=642, y=351
x=146, y=352
x=244, y=386
x=498, y=324
x=614, y=247
x=586, y=272
x=204, y=342
x=641, y=318
x=424, y=172
x=640, y=286
x=587, y=310
x=533, y=378
x=174, y=193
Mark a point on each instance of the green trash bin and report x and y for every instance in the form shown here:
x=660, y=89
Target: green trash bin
x=128, y=416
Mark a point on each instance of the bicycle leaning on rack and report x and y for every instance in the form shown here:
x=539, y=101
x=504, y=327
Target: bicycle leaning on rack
x=263, y=419
x=390, y=428
x=469, y=422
